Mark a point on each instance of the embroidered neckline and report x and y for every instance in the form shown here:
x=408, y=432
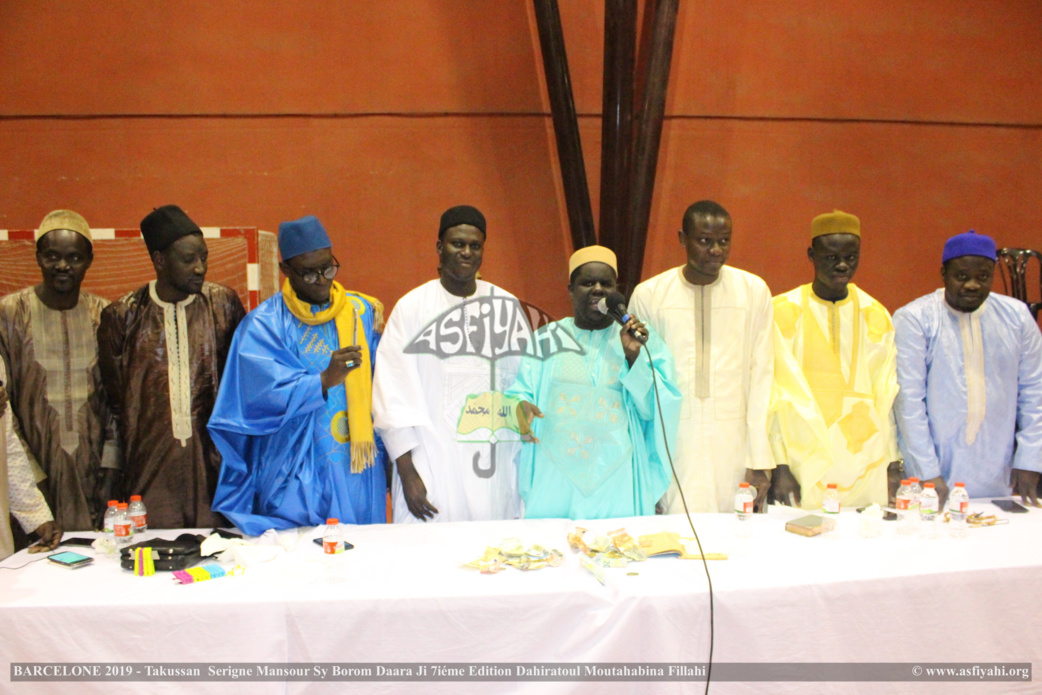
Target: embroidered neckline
x=179, y=372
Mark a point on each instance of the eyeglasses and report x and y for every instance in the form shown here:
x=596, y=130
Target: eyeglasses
x=311, y=276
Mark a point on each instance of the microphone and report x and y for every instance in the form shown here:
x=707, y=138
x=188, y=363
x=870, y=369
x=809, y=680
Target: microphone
x=614, y=305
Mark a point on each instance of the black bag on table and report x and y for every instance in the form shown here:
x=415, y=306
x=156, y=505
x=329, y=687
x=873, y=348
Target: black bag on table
x=167, y=556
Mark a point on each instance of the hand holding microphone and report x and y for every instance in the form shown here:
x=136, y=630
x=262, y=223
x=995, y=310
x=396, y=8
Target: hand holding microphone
x=614, y=305
x=634, y=333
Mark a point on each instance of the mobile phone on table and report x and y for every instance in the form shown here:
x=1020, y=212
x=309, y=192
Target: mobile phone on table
x=84, y=542
x=70, y=560
x=347, y=546
x=887, y=514
x=1010, y=506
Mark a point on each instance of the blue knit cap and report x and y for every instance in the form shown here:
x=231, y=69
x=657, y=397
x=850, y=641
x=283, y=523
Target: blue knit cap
x=301, y=236
x=969, y=244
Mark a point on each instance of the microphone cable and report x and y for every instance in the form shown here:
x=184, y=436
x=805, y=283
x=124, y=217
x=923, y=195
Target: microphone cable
x=687, y=513
x=614, y=305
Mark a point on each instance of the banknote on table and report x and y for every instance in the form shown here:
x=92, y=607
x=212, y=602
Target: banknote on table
x=625, y=544
x=511, y=552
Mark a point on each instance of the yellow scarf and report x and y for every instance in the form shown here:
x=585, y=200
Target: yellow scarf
x=347, y=310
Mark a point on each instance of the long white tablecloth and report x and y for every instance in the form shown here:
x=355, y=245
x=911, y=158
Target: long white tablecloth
x=401, y=596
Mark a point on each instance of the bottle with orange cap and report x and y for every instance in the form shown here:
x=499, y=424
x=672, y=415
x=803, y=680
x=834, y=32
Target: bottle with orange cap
x=743, y=509
x=830, y=506
x=332, y=538
x=138, y=514
x=109, y=518
x=122, y=527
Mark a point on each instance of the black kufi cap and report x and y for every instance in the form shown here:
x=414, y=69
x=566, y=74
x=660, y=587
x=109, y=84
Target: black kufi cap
x=461, y=214
x=163, y=226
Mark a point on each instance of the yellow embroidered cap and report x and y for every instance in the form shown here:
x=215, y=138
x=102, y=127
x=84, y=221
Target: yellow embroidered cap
x=591, y=254
x=64, y=219
x=835, y=222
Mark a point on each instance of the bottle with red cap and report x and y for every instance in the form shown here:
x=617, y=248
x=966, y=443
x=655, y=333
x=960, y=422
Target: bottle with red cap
x=122, y=528
x=743, y=509
x=332, y=538
x=138, y=514
x=830, y=506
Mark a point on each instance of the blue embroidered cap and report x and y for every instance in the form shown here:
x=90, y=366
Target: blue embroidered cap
x=969, y=244
x=301, y=236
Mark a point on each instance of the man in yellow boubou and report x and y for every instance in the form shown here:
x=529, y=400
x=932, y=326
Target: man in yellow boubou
x=835, y=380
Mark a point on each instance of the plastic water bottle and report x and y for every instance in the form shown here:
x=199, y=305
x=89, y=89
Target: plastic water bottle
x=830, y=507
x=928, y=509
x=912, y=517
x=122, y=528
x=958, y=510
x=110, y=516
x=902, y=502
x=332, y=538
x=138, y=514
x=743, y=509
